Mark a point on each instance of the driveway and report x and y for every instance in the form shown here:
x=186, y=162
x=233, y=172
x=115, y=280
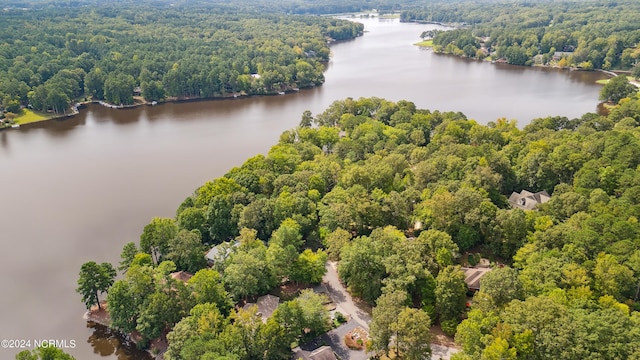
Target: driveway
x=342, y=298
x=441, y=352
x=344, y=302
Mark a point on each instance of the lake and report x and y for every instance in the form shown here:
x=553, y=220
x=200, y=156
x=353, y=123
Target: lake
x=78, y=189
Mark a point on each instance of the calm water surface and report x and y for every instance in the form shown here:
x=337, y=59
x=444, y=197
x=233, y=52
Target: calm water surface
x=77, y=190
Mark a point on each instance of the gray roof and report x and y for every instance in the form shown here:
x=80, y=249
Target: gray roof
x=472, y=277
x=215, y=253
x=266, y=306
x=335, y=341
x=323, y=353
x=527, y=200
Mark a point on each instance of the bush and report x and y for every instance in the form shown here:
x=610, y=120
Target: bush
x=339, y=317
x=449, y=327
x=430, y=310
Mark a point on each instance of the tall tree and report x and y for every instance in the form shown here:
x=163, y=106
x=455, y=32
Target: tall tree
x=208, y=288
x=127, y=255
x=94, y=279
x=503, y=285
x=412, y=334
x=155, y=237
x=450, y=293
x=616, y=89
x=186, y=251
x=123, y=309
x=384, y=318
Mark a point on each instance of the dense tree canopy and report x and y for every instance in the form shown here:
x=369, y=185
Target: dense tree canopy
x=113, y=51
x=400, y=211
x=585, y=34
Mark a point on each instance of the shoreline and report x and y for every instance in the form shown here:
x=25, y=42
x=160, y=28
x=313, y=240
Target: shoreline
x=102, y=318
x=610, y=73
x=75, y=109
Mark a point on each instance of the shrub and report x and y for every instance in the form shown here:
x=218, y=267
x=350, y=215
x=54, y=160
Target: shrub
x=449, y=327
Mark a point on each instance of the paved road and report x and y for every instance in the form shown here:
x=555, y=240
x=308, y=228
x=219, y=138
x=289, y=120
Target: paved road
x=345, y=302
x=342, y=298
x=442, y=352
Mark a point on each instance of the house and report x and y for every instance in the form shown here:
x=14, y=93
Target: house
x=334, y=341
x=561, y=54
x=527, y=200
x=321, y=353
x=473, y=275
x=181, y=276
x=267, y=304
x=220, y=252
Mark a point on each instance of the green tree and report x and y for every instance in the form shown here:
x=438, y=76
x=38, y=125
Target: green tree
x=309, y=267
x=362, y=269
x=288, y=234
x=123, y=309
x=384, y=318
x=335, y=241
x=636, y=72
x=612, y=278
x=208, y=288
x=152, y=90
x=499, y=350
x=44, y=353
x=193, y=218
x=450, y=293
x=129, y=251
x=155, y=237
x=503, y=285
x=118, y=88
x=94, y=83
x=94, y=279
x=616, y=89
x=247, y=275
x=412, y=334
x=222, y=225
x=186, y=251
x=163, y=309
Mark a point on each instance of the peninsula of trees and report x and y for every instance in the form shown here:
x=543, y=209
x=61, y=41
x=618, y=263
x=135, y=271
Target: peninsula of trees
x=51, y=56
x=583, y=34
x=401, y=197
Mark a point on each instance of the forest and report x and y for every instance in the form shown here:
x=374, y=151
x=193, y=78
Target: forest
x=402, y=197
x=53, y=56
x=586, y=34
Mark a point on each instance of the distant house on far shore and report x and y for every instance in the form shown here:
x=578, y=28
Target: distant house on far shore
x=527, y=200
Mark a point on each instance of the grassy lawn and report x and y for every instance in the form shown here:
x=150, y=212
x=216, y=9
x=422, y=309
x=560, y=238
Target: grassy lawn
x=604, y=81
x=425, y=43
x=390, y=16
x=28, y=116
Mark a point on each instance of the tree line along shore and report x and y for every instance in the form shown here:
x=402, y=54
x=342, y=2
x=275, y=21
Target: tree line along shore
x=113, y=53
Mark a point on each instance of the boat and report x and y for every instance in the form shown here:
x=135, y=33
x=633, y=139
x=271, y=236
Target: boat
x=154, y=103
x=15, y=126
x=280, y=92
